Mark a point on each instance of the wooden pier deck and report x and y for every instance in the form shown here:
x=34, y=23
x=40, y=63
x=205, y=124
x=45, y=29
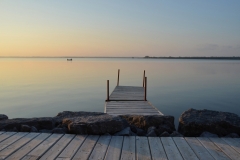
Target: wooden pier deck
x=22, y=145
x=129, y=100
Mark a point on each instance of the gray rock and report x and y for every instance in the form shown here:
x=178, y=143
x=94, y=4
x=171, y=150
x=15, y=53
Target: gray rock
x=176, y=134
x=33, y=129
x=232, y=135
x=45, y=131
x=208, y=134
x=141, y=132
x=152, y=128
x=15, y=129
x=3, y=117
x=166, y=127
x=59, y=130
x=25, y=128
x=95, y=124
x=125, y=132
x=146, y=121
x=194, y=122
x=151, y=133
x=165, y=134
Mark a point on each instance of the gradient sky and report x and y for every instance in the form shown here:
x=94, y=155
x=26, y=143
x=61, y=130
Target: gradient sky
x=119, y=28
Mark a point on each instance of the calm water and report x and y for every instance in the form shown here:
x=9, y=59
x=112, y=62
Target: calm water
x=43, y=87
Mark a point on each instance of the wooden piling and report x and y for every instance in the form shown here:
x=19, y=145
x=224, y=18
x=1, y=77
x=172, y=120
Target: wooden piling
x=107, y=90
x=145, y=89
x=143, y=77
x=118, y=77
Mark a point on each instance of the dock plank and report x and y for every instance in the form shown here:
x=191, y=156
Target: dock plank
x=72, y=147
x=171, y=149
x=100, y=148
x=16, y=145
x=142, y=149
x=114, y=148
x=37, y=152
x=6, y=135
x=58, y=147
x=232, y=153
x=157, y=149
x=185, y=150
x=128, y=149
x=233, y=142
x=199, y=149
x=11, y=140
x=29, y=146
x=85, y=150
x=216, y=152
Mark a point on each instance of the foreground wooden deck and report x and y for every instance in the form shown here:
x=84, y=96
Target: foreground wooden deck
x=33, y=146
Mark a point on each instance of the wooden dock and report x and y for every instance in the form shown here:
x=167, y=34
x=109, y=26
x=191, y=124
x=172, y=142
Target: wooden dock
x=129, y=100
x=26, y=146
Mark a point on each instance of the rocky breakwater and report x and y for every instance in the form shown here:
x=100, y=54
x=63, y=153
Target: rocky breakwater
x=197, y=122
x=94, y=123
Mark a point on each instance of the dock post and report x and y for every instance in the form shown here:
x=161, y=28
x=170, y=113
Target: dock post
x=143, y=77
x=107, y=90
x=145, y=89
x=118, y=77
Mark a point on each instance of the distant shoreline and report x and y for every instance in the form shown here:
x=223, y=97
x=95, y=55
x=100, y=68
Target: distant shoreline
x=146, y=57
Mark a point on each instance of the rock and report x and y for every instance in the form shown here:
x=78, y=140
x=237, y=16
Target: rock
x=208, y=134
x=107, y=134
x=133, y=129
x=39, y=123
x=125, y=132
x=3, y=117
x=45, y=131
x=151, y=133
x=146, y=121
x=141, y=132
x=25, y=128
x=33, y=129
x=98, y=124
x=165, y=128
x=15, y=129
x=59, y=130
x=176, y=134
x=165, y=134
x=232, y=135
x=194, y=122
x=152, y=128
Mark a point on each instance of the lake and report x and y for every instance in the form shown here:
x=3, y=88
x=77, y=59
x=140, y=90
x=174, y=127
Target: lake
x=37, y=87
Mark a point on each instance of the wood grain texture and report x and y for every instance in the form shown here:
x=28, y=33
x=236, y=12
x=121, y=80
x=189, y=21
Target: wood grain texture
x=128, y=149
x=114, y=148
x=157, y=150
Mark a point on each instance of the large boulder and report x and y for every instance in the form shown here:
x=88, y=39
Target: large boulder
x=162, y=123
x=96, y=124
x=39, y=123
x=3, y=117
x=194, y=122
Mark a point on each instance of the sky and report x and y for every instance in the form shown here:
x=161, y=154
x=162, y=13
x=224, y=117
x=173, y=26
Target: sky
x=119, y=28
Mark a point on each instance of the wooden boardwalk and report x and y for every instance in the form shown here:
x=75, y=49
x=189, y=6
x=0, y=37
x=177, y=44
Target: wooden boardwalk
x=22, y=145
x=129, y=100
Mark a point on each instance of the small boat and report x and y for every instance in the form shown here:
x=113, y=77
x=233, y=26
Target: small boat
x=69, y=59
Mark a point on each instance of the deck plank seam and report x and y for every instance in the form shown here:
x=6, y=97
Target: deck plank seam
x=78, y=146
x=93, y=147
x=231, y=145
x=163, y=147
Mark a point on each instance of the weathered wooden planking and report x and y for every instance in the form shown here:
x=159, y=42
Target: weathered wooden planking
x=100, y=148
x=72, y=147
x=198, y=148
x=216, y=152
x=16, y=145
x=86, y=148
x=156, y=148
x=5, y=135
x=1, y=132
x=29, y=146
x=232, y=153
x=233, y=142
x=128, y=149
x=184, y=148
x=142, y=149
x=171, y=149
x=11, y=140
x=114, y=148
x=58, y=147
x=37, y=152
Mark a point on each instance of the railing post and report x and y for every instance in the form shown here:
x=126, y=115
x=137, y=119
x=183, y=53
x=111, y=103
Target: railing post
x=118, y=77
x=145, y=96
x=107, y=90
x=143, y=77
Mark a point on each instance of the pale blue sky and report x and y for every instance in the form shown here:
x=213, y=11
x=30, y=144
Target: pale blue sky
x=119, y=28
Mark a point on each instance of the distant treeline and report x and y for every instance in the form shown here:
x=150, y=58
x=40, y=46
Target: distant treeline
x=217, y=58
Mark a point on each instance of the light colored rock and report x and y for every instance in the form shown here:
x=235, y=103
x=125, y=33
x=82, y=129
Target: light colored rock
x=3, y=117
x=176, y=134
x=125, y=132
x=165, y=134
x=25, y=128
x=208, y=134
